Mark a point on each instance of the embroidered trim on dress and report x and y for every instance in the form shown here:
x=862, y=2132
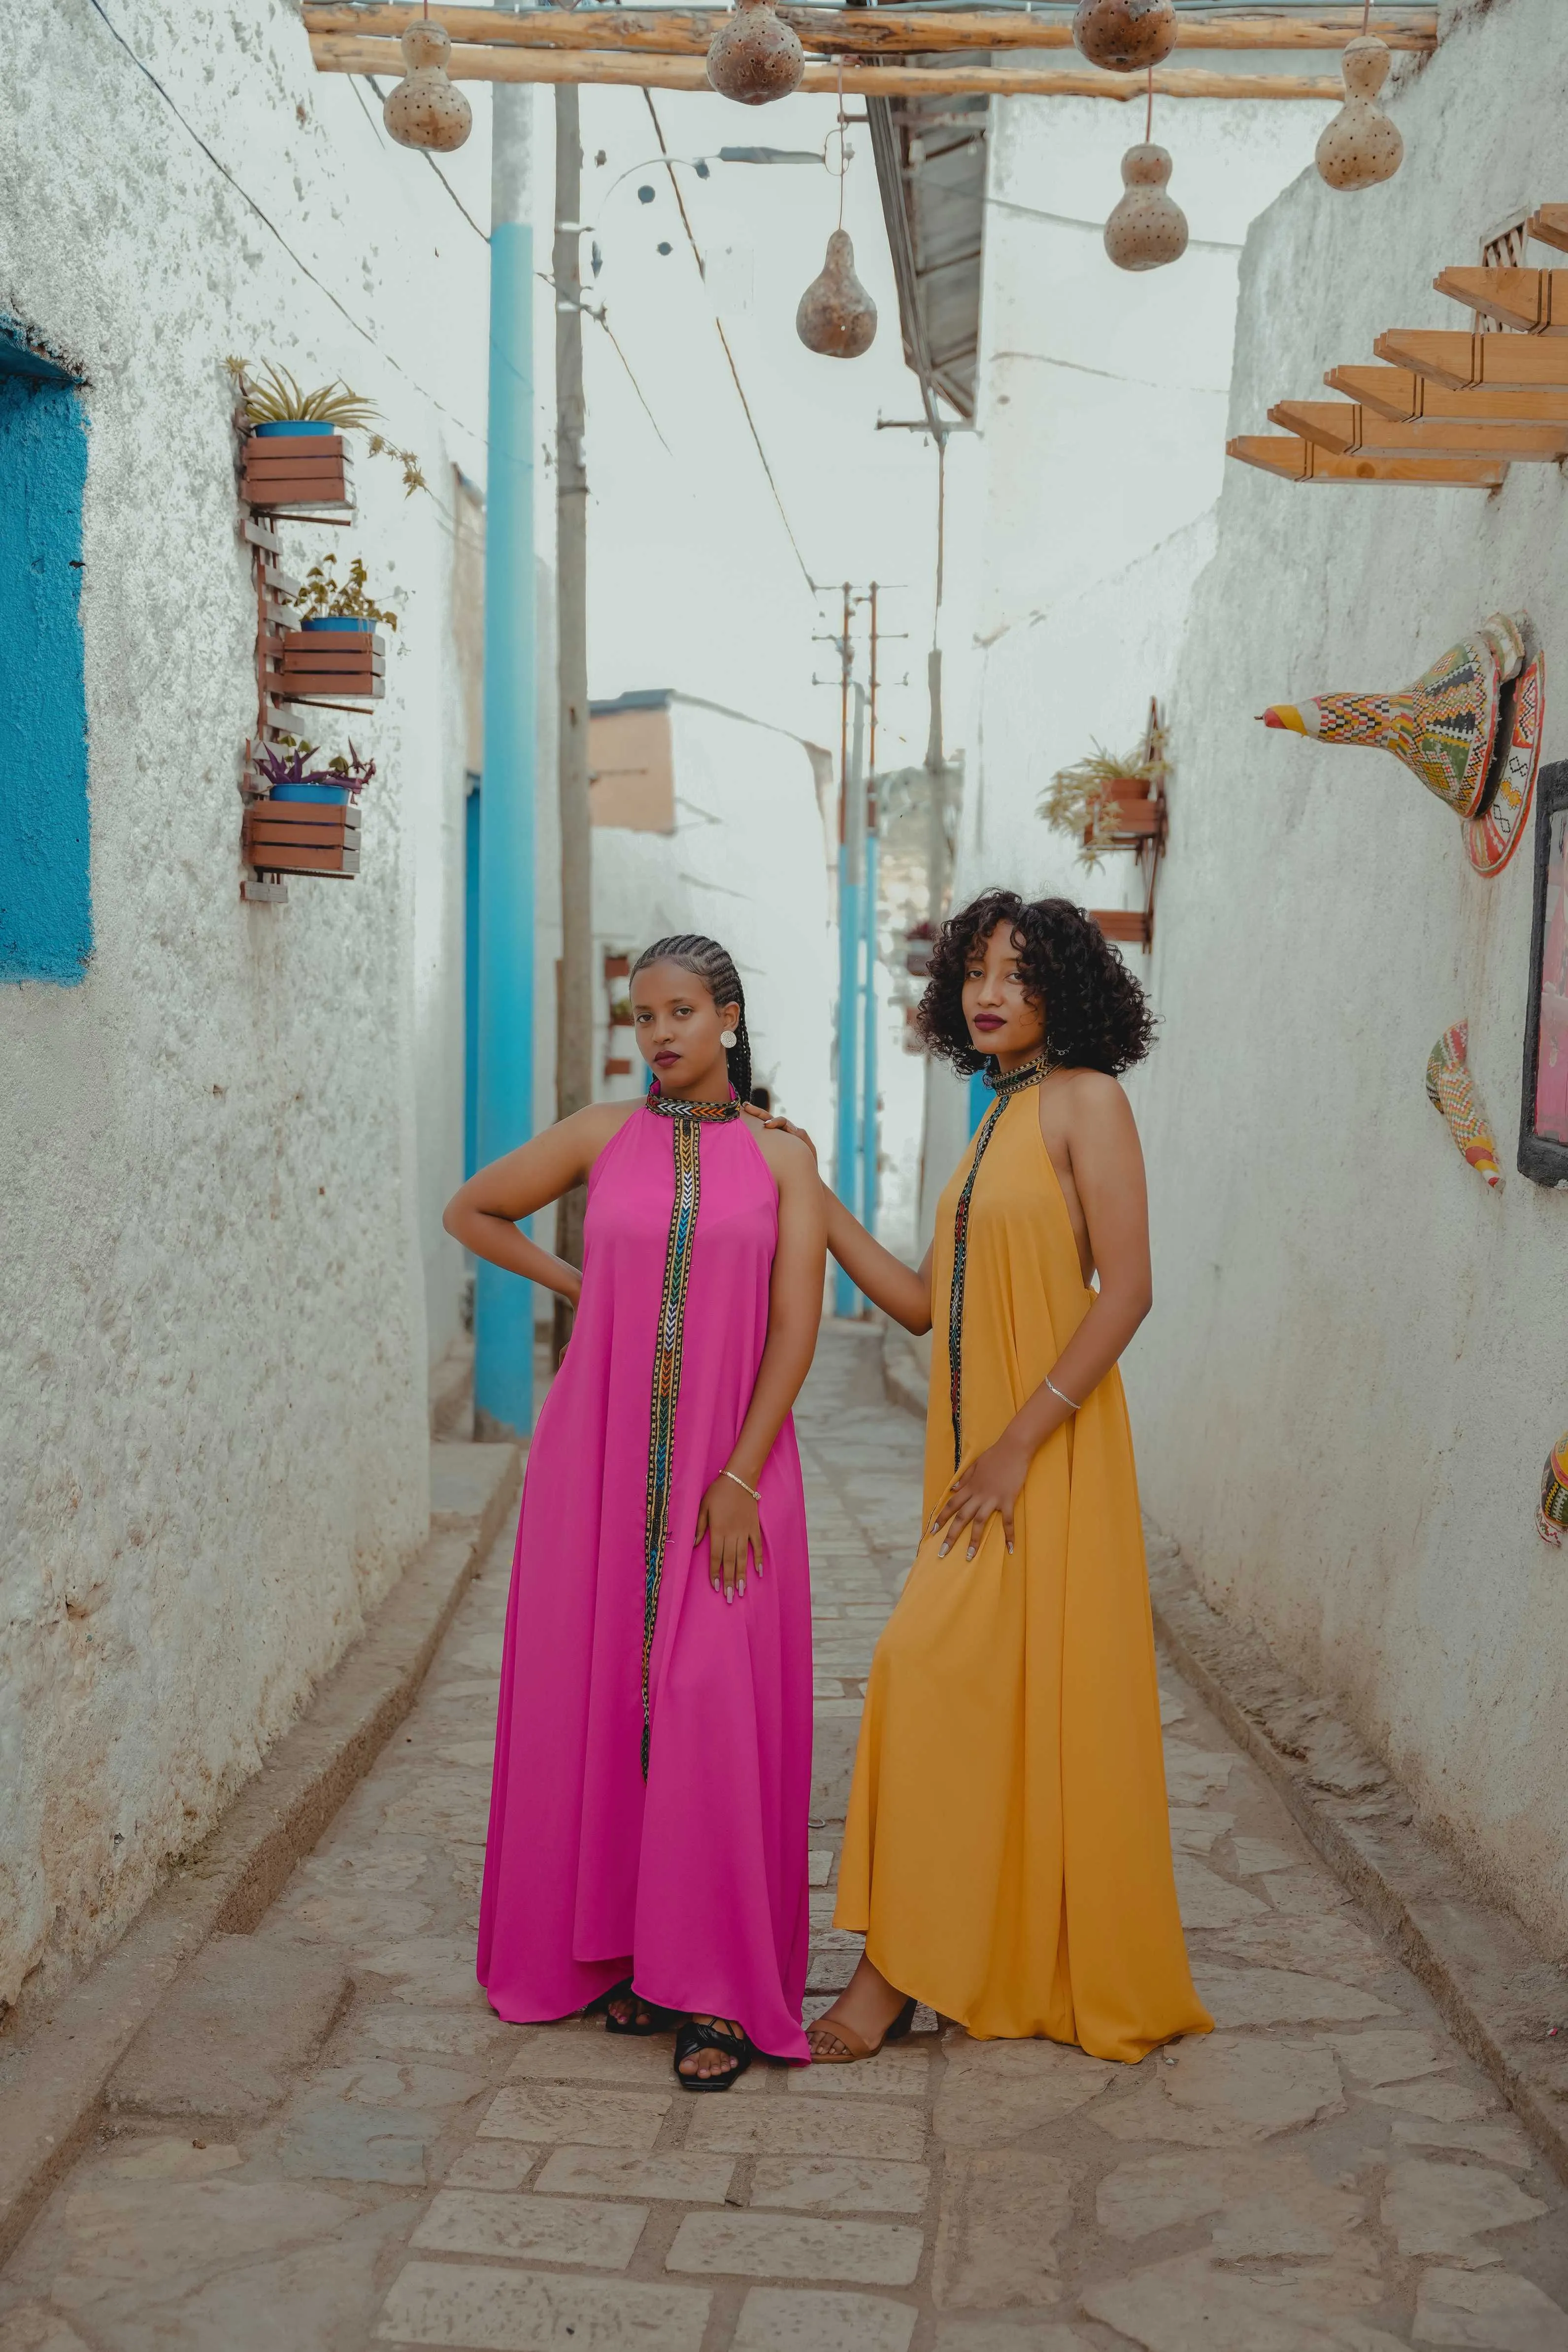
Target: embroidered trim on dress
x=1004, y=1085
x=688, y=1120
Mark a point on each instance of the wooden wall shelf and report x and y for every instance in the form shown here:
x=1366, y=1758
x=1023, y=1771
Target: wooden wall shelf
x=1446, y=410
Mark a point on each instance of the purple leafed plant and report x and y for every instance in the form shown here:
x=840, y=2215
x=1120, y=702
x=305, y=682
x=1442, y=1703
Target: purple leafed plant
x=292, y=761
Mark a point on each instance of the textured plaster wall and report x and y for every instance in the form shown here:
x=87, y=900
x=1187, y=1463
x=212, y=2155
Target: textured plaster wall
x=212, y=1385
x=1356, y=1363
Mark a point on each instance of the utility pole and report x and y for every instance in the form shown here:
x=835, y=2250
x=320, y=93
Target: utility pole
x=503, y=1306
x=847, y=1159
x=576, y=992
x=871, y=1125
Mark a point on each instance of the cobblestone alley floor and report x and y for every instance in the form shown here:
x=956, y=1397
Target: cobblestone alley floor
x=371, y=2158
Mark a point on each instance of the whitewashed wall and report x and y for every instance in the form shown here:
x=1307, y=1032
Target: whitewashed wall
x=746, y=863
x=1357, y=1364
x=223, y=1155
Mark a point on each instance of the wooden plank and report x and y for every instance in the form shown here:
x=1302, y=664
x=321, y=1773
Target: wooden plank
x=1343, y=428
x=338, y=642
x=1462, y=361
x=1532, y=301
x=849, y=32
x=313, y=686
x=335, y=53
x=1297, y=460
x=1403, y=396
x=290, y=857
x=332, y=817
x=287, y=493
x=1549, y=226
x=1129, y=925
x=258, y=535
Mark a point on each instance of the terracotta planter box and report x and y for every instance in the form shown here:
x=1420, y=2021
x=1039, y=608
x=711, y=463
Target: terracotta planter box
x=1128, y=926
x=305, y=469
x=303, y=837
x=617, y=1069
x=617, y=967
x=1139, y=819
x=326, y=664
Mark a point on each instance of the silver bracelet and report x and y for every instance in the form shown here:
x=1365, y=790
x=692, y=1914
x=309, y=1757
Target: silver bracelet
x=755, y=1492
x=1055, y=1391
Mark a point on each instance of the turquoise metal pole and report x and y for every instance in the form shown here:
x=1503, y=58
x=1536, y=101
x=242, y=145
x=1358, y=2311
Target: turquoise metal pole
x=504, y=1306
x=848, y=1176
x=871, y=1125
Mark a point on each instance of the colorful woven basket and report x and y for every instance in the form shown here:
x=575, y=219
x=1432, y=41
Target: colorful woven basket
x=1552, y=1518
x=1450, y=1090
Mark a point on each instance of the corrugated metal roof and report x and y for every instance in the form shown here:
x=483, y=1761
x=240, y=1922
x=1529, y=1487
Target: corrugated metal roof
x=931, y=167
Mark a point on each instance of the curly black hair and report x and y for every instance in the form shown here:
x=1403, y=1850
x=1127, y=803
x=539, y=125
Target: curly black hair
x=1097, y=1015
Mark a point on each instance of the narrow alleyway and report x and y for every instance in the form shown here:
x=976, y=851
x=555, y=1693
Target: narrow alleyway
x=350, y=2151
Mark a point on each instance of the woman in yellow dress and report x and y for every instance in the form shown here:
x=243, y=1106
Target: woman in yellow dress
x=1008, y=1852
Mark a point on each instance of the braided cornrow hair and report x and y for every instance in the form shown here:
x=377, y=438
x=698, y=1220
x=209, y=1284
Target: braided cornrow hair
x=715, y=967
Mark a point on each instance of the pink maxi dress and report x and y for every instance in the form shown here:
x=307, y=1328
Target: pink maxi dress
x=692, y=1882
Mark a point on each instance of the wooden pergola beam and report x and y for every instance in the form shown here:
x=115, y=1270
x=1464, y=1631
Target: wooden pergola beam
x=1463, y=361
x=1344, y=429
x=830, y=32
x=1550, y=226
x=342, y=53
x=1298, y=460
x=1406, y=398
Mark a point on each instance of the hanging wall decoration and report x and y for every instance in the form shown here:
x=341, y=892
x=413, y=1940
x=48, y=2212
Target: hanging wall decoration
x=1470, y=729
x=1148, y=227
x=755, y=58
x=1124, y=36
x=424, y=109
x=1451, y=1090
x=1543, y=1108
x=1361, y=146
x=836, y=315
x=1551, y=1515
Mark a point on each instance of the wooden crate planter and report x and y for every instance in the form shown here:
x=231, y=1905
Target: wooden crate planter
x=298, y=471
x=303, y=837
x=328, y=666
x=1128, y=926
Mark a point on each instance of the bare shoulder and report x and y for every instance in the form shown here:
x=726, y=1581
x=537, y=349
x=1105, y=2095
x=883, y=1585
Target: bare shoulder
x=597, y=1123
x=1088, y=1102
x=791, y=1161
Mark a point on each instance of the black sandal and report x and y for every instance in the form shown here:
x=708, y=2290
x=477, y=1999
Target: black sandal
x=691, y=2037
x=660, y=2020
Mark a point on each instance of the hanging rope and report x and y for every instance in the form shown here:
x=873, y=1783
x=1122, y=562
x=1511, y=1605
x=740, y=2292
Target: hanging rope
x=843, y=149
x=1149, y=117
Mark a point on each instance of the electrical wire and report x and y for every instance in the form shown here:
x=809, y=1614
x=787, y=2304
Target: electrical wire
x=354, y=80
x=272, y=229
x=729, y=355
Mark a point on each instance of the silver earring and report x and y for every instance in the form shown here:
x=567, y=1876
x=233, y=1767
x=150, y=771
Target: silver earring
x=726, y=1039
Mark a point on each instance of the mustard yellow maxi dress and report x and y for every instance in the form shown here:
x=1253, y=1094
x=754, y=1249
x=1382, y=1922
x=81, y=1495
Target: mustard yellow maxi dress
x=1007, y=1849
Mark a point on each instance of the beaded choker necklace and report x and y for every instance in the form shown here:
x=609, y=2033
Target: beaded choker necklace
x=1004, y=1085
x=688, y=1120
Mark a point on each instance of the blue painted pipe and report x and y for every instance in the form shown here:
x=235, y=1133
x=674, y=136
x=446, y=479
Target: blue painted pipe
x=504, y=1306
x=870, y=1128
x=847, y=1156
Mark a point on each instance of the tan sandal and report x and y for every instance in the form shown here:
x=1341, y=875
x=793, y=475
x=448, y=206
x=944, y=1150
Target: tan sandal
x=856, y=2046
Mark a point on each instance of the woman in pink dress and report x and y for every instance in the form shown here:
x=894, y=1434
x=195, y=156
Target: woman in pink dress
x=648, y=1815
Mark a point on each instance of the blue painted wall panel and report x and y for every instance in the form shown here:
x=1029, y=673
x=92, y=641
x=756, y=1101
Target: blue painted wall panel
x=45, y=909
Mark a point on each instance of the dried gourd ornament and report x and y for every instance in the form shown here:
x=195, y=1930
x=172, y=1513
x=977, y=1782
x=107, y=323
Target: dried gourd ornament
x=1361, y=146
x=1148, y=227
x=1124, y=36
x=836, y=316
x=754, y=58
x=424, y=110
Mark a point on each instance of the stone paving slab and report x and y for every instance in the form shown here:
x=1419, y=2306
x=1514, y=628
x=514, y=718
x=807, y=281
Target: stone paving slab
x=1331, y=2172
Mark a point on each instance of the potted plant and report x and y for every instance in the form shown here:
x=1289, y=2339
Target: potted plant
x=308, y=822
x=1109, y=801
x=335, y=650
x=295, y=451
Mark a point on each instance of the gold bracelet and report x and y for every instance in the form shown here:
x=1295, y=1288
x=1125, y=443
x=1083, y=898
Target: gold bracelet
x=755, y=1492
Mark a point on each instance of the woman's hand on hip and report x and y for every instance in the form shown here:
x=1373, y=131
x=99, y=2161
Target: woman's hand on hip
x=732, y=1522
x=989, y=1487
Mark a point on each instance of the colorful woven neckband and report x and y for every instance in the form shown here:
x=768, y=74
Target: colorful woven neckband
x=687, y=1120
x=670, y=1106
x=1004, y=1085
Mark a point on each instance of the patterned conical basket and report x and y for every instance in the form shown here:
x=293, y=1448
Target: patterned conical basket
x=1444, y=729
x=1449, y=1088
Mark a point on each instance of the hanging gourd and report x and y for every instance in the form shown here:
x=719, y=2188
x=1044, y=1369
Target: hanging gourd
x=1126, y=36
x=424, y=110
x=1361, y=146
x=755, y=58
x=1148, y=227
x=836, y=316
